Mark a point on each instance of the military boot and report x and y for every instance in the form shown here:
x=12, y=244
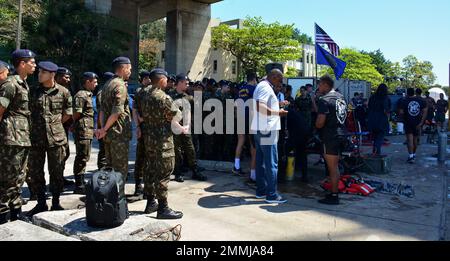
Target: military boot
x=16, y=214
x=4, y=217
x=40, y=207
x=139, y=188
x=164, y=212
x=152, y=206
x=56, y=206
x=196, y=175
x=80, y=185
x=68, y=183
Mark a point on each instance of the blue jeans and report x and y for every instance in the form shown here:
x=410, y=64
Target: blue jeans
x=266, y=167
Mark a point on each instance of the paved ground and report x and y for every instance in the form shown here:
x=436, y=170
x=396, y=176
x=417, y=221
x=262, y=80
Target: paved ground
x=224, y=208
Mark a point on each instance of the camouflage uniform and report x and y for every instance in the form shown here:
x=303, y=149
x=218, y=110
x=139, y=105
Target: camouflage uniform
x=83, y=130
x=183, y=142
x=48, y=105
x=114, y=99
x=158, y=111
x=101, y=157
x=139, y=166
x=225, y=142
x=207, y=141
x=14, y=141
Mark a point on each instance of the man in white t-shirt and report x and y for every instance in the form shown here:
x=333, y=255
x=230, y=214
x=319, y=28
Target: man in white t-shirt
x=266, y=124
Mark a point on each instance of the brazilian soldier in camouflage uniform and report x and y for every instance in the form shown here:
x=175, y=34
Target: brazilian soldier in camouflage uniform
x=183, y=142
x=51, y=106
x=139, y=166
x=158, y=112
x=4, y=71
x=207, y=145
x=101, y=156
x=14, y=134
x=63, y=78
x=225, y=142
x=115, y=116
x=83, y=118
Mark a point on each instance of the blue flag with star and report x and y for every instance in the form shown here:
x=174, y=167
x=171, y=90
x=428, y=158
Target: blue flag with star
x=325, y=58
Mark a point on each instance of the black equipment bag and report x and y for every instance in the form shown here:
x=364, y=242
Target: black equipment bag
x=106, y=204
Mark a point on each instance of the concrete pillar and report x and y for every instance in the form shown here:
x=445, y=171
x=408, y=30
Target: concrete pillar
x=188, y=38
x=129, y=13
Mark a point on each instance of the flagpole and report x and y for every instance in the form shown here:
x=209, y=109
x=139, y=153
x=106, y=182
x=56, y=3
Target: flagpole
x=315, y=51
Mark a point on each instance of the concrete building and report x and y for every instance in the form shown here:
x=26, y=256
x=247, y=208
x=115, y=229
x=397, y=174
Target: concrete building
x=306, y=65
x=188, y=34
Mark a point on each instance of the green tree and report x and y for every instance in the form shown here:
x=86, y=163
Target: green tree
x=382, y=64
x=154, y=30
x=9, y=11
x=291, y=72
x=418, y=74
x=359, y=67
x=72, y=36
x=301, y=37
x=257, y=43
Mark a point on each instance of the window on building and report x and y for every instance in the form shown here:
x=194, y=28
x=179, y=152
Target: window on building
x=215, y=66
x=234, y=67
x=312, y=59
x=307, y=58
x=163, y=55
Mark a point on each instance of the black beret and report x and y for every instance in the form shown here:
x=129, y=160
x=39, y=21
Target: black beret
x=64, y=71
x=144, y=74
x=90, y=75
x=4, y=65
x=22, y=53
x=212, y=82
x=121, y=60
x=181, y=77
x=223, y=83
x=48, y=66
x=172, y=78
x=108, y=75
x=198, y=83
x=158, y=71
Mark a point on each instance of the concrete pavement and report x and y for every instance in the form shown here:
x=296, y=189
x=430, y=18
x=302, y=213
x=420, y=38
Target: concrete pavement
x=224, y=208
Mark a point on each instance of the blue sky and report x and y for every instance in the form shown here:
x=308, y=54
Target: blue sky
x=397, y=27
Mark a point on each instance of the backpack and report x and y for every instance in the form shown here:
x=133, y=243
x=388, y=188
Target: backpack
x=106, y=204
x=350, y=185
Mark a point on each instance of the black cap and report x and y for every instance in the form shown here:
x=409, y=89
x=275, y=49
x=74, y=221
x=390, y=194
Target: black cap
x=48, y=66
x=108, y=75
x=90, y=75
x=181, y=77
x=121, y=60
x=158, y=71
x=144, y=74
x=64, y=71
x=22, y=53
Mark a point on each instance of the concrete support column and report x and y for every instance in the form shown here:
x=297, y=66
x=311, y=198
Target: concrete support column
x=188, y=38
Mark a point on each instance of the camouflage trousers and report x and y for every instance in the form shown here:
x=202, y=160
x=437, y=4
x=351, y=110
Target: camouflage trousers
x=13, y=162
x=66, y=148
x=184, y=146
x=36, y=175
x=101, y=157
x=158, y=170
x=139, y=166
x=83, y=155
x=117, y=156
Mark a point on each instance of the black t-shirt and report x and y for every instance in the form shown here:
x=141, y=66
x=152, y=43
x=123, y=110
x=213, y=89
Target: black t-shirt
x=334, y=107
x=412, y=108
x=441, y=105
